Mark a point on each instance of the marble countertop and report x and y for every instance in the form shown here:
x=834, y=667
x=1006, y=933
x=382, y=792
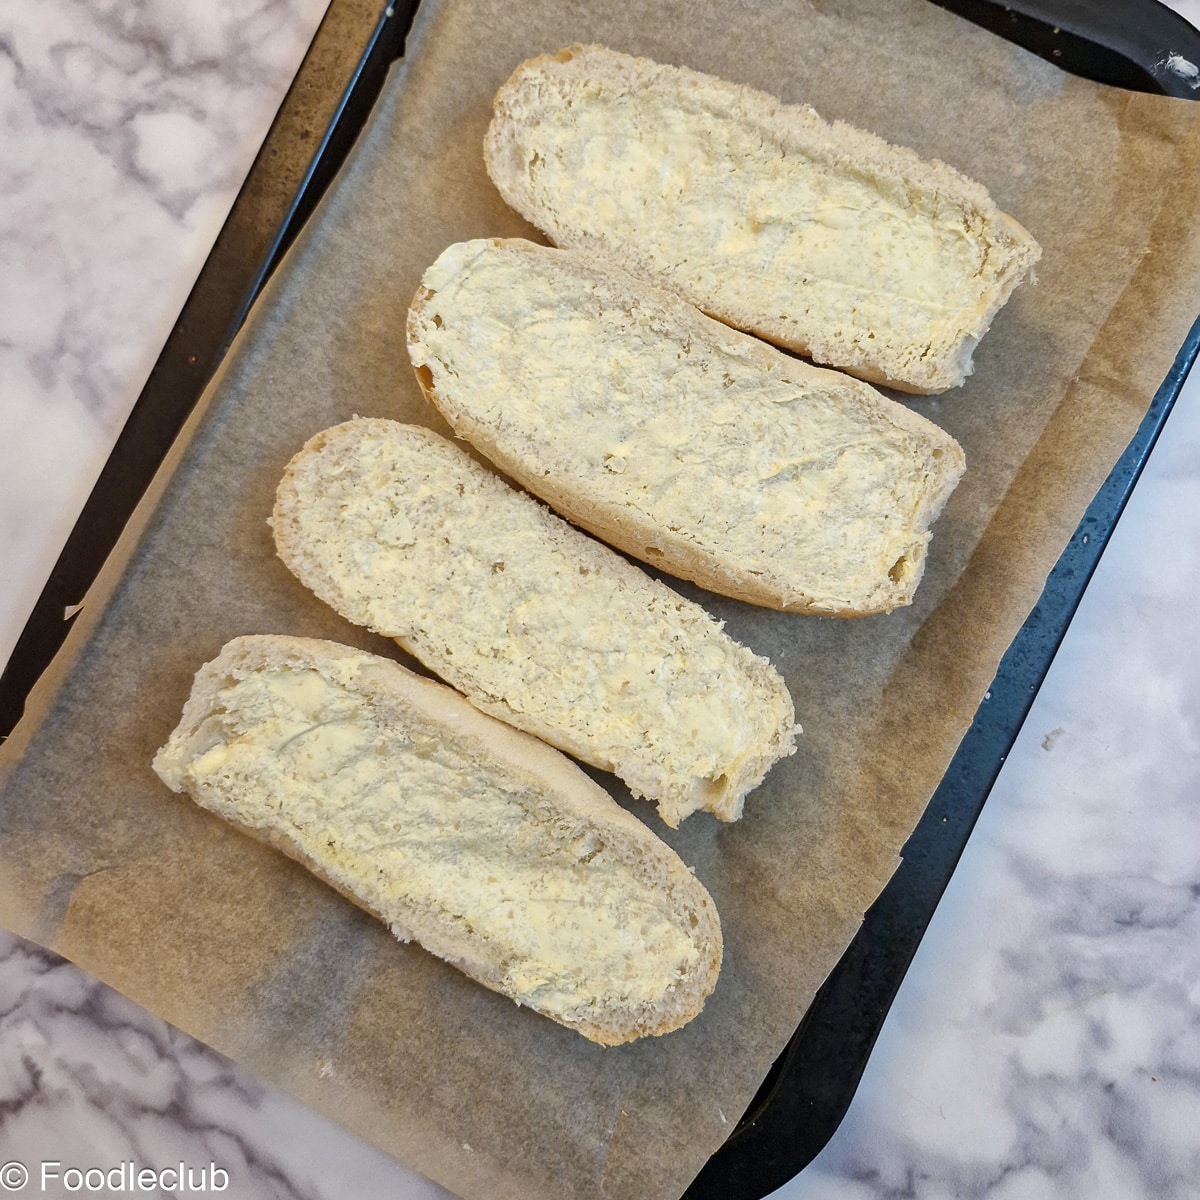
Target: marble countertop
x=1046, y=1041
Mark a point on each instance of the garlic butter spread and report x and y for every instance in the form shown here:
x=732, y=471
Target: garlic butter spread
x=411, y=821
x=797, y=482
x=523, y=613
x=713, y=201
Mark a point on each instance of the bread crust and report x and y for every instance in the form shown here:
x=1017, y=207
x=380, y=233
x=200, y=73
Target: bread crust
x=550, y=458
x=543, y=98
x=564, y=799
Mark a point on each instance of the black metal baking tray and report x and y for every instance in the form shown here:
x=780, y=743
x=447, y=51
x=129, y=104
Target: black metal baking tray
x=802, y=1102
x=809, y=1088
x=1137, y=44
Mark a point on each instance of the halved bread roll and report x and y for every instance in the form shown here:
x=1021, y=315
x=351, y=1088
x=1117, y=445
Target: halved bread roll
x=818, y=237
x=535, y=622
x=680, y=441
x=484, y=845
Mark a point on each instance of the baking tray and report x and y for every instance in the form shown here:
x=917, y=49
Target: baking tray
x=807, y=1092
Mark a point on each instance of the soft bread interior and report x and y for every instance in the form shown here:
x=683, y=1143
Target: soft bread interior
x=446, y=836
x=819, y=237
x=535, y=622
x=686, y=444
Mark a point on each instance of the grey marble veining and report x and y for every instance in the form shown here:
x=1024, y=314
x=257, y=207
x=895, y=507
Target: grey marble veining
x=127, y=129
x=90, y=1081
x=1046, y=1041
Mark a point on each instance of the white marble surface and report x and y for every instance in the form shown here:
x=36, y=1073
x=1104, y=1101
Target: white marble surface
x=126, y=130
x=1046, y=1042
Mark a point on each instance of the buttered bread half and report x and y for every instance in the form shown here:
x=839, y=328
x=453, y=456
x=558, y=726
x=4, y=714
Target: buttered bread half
x=685, y=443
x=484, y=845
x=536, y=623
x=817, y=236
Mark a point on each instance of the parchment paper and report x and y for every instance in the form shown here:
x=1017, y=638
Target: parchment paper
x=243, y=949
